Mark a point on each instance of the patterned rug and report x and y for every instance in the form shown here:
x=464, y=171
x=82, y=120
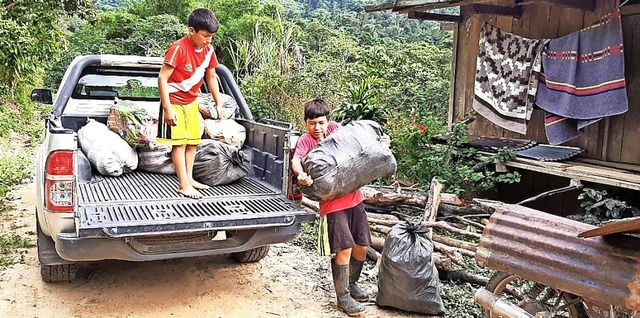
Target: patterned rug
x=506, y=77
x=583, y=79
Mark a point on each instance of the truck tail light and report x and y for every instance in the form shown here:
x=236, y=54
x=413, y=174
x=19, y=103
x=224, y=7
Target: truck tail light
x=59, y=185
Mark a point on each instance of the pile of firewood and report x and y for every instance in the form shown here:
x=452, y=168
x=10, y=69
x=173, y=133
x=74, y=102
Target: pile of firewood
x=442, y=213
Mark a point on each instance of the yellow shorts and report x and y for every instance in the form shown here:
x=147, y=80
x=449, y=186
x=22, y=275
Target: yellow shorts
x=187, y=128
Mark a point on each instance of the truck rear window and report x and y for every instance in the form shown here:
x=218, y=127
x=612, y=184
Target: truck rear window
x=102, y=86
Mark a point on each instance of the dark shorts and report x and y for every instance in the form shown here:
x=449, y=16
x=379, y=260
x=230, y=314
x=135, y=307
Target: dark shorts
x=347, y=228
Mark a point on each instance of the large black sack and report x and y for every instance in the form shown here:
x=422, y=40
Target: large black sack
x=408, y=278
x=218, y=163
x=349, y=158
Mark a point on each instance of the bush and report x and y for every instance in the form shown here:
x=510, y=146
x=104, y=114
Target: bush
x=457, y=167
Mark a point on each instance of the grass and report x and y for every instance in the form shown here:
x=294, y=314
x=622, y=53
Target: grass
x=9, y=244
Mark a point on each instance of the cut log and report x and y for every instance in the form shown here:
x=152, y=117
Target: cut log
x=384, y=196
x=310, y=203
x=464, y=276
x=377, y=243
x=455, y=254
x=379, y=216
x=454, y=243
x=433, y=201
x=445, y=226
x=380, y=228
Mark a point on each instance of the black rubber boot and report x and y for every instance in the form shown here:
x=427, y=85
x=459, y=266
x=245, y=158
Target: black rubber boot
x=341, y=282
x=355, y=268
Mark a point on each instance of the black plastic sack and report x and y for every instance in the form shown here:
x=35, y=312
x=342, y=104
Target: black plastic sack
x=349, y=158
x=408, y=278
x=218, y=163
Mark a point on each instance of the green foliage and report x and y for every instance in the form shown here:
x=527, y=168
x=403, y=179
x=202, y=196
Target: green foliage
x=8, y=245
x=600, y=206
x=361, y=102
x=30, y=34
x=458, y=168
x=13, y=169
x=176, y=8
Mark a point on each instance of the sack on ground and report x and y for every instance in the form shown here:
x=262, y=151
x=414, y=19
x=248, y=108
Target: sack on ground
x=227, y=131
x=133, y=123
x=156, y=159
x=408, y=278
x=207, y=106
x=218, y=163
x=107, y=152
x=349, y=158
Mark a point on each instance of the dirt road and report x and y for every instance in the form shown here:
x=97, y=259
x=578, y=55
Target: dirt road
x=289, y=282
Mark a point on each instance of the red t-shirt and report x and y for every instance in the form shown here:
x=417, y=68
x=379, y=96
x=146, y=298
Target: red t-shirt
x=347, y=201
x=189, y=66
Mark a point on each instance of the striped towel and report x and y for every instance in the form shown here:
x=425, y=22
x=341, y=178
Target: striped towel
x=583, y=79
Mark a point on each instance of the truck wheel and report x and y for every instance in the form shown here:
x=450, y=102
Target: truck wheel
x=533, y=297
x=58, y=273
x=252, y=255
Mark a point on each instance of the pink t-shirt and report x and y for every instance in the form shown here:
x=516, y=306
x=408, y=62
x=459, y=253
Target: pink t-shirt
x=347, y=201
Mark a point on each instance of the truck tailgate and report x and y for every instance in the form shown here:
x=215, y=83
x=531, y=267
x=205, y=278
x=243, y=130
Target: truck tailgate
x=141, y=203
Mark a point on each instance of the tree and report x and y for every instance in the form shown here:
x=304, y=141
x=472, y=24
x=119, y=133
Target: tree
x=30, y=34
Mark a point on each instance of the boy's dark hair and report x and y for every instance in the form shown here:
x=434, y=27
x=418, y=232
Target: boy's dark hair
x=203, y=19
x=316, y=108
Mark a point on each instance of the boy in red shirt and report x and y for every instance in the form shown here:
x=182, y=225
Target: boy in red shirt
x=345, y=217
x=186, y=62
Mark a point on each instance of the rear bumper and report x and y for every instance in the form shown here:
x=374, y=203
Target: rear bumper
x=75, y=249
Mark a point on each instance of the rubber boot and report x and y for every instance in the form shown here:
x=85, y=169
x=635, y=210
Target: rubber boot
x=341, y=282
x=355, y=268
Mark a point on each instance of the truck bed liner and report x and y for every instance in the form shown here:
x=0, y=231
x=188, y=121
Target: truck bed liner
x=142, y=203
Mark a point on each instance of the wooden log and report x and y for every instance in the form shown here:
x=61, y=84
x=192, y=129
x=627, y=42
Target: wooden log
x=379, y=216
x=451, y=252
x=310, y=203
x=379, y=228
x=445, y=226
x=454, y=243
x=385, y=196
x=377, y=243
x=433, y=201
x=440, y=224
x=464, y=276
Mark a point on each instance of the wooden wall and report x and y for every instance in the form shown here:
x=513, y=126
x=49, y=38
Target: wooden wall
x=616, y=139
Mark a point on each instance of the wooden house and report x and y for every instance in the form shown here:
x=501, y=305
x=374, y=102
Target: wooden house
x=612, y=145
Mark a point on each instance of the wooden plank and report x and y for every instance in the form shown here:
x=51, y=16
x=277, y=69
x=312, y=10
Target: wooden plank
x=471, y=52
x=631, y=139
x=380, y=7
x=449, y=26
x=588, y=5
x=453, y=81
x=424, y=5
x=575, y=170
x=434, y=16
x=613, y=228
x=498, y=10
x=630, y=9
x=616, y=132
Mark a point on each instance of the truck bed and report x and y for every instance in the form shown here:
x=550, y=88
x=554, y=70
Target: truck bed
x=141, y=203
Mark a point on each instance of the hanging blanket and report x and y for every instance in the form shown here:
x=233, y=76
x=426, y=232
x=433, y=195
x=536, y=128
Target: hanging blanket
x=583, y=79
x=506, y=77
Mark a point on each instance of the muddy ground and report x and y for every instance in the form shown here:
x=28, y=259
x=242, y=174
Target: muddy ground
x=289, y=282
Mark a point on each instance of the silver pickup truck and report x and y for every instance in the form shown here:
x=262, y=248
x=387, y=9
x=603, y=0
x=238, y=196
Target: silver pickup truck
x=84, y=216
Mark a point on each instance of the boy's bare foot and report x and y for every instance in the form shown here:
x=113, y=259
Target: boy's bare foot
x=199, y=185
x=190, y=193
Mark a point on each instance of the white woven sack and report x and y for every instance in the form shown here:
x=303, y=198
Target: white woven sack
x=106, y=151
x=227, y=131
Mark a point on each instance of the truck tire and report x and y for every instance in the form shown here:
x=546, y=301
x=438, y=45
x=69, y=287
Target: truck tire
x=252, y=255
x=58, y=273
